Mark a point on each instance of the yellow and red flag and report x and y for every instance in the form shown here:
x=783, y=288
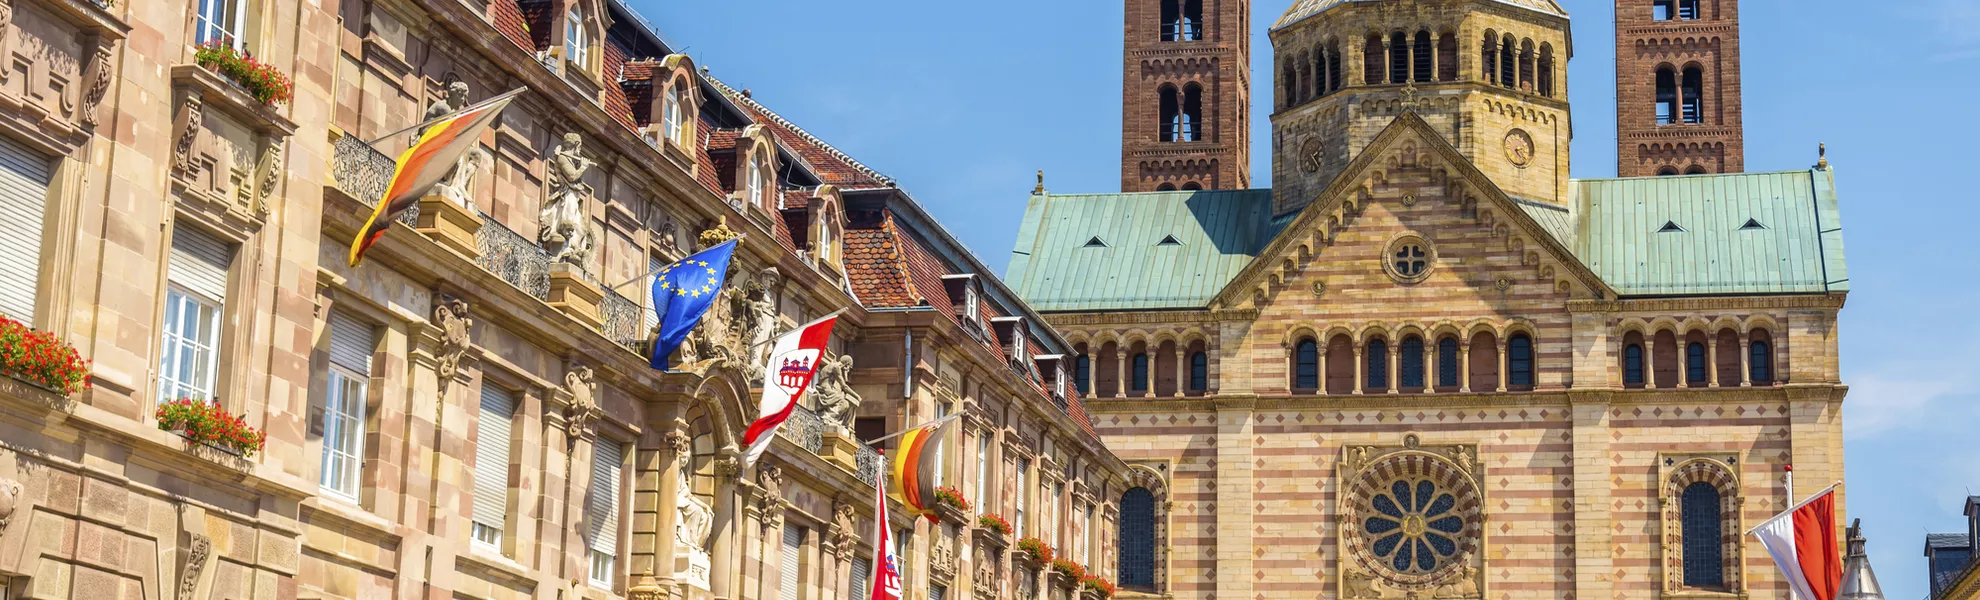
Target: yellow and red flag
x=425, y=163
x=915, y=465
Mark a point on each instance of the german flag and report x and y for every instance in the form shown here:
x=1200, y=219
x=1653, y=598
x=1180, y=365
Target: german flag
x=426, y=163
x=915, y=465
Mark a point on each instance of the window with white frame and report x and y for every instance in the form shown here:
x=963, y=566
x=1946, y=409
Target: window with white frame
x=491, y=465
x=1058, y=538
x=982, y=472
x=1089, y=533
x=671, y=114
x=941, y=449
x=602, y=511
x=219, y=21
x=23, y=201
x=1023, y=477
x=351, y=344
x=189, y=355
x=755, y=179
x=576, y=47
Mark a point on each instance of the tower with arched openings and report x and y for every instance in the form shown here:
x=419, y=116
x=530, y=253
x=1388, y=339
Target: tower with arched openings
x=1678, y=109
x=1186, y=96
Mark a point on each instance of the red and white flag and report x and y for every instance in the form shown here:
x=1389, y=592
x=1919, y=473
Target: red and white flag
x=1803, y=543
x=886, y=576
x=794, y=359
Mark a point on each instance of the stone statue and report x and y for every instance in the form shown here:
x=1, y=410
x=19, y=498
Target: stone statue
x=584, y=400
x=10, y=500
x=694, y=515
x=755, y=312
x=458, y=186
x=842, y=530
x=1465, y=586
x=1363, y=585
x=838, y=403
x=451, y=314
x=562, y=218
x=456, y=99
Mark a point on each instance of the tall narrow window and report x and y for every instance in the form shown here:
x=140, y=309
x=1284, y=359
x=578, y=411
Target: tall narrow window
x=755, y=179
x=1694, y=363
x=1546, y=68
x=1447, y=57
x=1704, y=536
x=189, y=357
x=1447, y=362
x=672, y=113
x=1192, y=20
x=1023, y=491
x=219, y=21
x=1288, y=90
x=1667, y=97
x=1687, y=10
x=1306, y=365
x=1138, y=539
x=1692, y=92
x=1371, y=60
x=1377, y=359
x=23, y=200
x=1762, y=363
x=1199, y=371
x=602, y=511
x=1138, y=381
x=1189, y=120
x=1633, y=365
x=1319, y=72
x=1421, y=59
x=1334, y=68
x=862, y=569
x=1508, y=63
x=1171, y=106
x=1082, y=369
x=982, y=473
x=577, y=48
x=1398, y=58
x=1410, y=364
x=1663, y=10
x=351, y=344
x=491, y=465
x=1489, y=58
x=1519, y=361
x=1526, y=58
x=793, y=553
x=651, y=315
x=1052, y=517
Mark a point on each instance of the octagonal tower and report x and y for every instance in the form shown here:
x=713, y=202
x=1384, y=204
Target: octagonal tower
x=1491, y=75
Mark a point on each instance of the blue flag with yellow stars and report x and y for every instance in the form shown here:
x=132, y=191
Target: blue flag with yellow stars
x=683, y=291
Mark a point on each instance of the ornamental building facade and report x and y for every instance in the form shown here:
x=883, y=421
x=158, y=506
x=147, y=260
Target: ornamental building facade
x=1427, y=363
x=470, y=413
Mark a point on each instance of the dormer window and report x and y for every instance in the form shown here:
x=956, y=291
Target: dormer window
x=754, y=179
x=670, y=114
x=576, y=47
x=963, y=292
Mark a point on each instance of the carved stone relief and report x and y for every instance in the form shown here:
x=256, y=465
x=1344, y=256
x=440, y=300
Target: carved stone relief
x=451, y=315
x=198, y=551
x=584, y=401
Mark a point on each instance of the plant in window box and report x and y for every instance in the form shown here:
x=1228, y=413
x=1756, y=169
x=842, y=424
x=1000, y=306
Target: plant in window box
x=950, y=504
x=1097, y=588
x=1066, y=574
x=994, y=524
x=1034, y=551
x=41, y=360
x=203, y=422
x=259, y=79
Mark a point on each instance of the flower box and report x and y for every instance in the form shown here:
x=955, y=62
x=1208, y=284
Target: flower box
x=1067, y=574
x=205, y=423
x=38, y=359
x=259, y=79
x=1033, y=553
x=1093, y=587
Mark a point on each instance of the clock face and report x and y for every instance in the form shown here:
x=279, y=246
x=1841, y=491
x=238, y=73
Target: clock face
x=1309, y=155
x=1519, y=147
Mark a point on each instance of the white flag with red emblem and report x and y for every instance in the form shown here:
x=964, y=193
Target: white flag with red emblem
x=886, y=576
x=794, y=359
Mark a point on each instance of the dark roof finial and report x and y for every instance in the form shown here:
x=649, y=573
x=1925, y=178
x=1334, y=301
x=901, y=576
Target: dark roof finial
x=1039, y=190
x=1822, y=156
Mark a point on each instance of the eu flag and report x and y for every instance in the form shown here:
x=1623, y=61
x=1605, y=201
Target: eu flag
x=683, y=291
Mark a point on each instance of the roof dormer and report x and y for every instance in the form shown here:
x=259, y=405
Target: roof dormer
x=966, y=297
x=668, y=117
x=756, y=171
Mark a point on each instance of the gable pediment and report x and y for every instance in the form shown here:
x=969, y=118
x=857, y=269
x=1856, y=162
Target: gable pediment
x=1410, y=181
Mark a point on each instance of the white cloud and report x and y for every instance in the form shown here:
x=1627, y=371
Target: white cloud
x=1905, y=398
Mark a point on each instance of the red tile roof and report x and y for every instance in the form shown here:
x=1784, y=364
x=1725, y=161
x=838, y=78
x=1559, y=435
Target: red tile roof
x=828, y=163
x=538, y=15
x=508, y=19
x=617, y=102
x=874, y=265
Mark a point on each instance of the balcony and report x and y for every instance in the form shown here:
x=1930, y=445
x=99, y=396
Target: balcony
x=807, y=430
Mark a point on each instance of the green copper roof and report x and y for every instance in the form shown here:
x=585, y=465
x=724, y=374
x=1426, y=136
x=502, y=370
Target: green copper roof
x=1088, y=252
x=1744, y=233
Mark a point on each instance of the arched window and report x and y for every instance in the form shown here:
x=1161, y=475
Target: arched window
x=1704, y=536
x=1410, y=364
x=1082, y=371
x=1166, y=187
x=1199, y=371
x=1489, y=57
x=1447, y=362
x=1377, y=360
x=1526, y=58
x=1288, y=86
x=1692, y=93
x=1667, y=97
x=1319, y=82
x=1667, y=171
x=1189, y=119
x=1519, y=362
x=1171, y=108
x=577, y=46
x=1139, y=381
x=757, y=170
x=1695, y=170
x=1760, y=361
x=1182, y=20
x=1306, y=365
x=1484, y=362
x=1371, y=60
x=1447, y=61
x=1138, y=539
x=1633, y=365
x=1422, y=60
x=1302, y=79
x=672, y=114
x=1190, y=186
x=1334, y=67
x=1694, y=363
x=1546, y=74
x=1508, y=63
x=1340, y=365
x=1398, y=58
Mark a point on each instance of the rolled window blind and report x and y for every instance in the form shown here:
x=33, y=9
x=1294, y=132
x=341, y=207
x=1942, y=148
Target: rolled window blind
x=23, y=200
x=793, y=544
x=199, y=263
x=491, y=457
x=351, y=343
x=602, y=505
x=862, y=568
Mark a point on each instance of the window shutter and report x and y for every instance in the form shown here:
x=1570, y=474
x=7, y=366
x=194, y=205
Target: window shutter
x=199, y=263
x=602, y=508
x=23, y=199
x=491, y=457
x=937, y=592
x=862, y=568
x=793, y=544
x=653, y=264
x=351, y=343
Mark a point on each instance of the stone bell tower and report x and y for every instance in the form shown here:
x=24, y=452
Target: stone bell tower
x=1186, y=96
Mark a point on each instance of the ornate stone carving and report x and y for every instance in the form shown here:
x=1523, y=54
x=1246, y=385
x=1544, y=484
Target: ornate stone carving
x=564, y=232
x=838, y=403
x=456, y=99
x=187, y=124
x=458, y=186
x=985, y=577
x=678, y=442
x=755, y=311
x=771, y=479
x=841, y=531
x=1362, y=585
x=942, y=554
x=97, y=76
x=584, y=401
x=691, y=528
x=197, y=553
x=726, y=467
x=10, y=498
x=1465, y=586
x=1412, y=520
x=271, y=175
x=716, y=234
x=451, y=315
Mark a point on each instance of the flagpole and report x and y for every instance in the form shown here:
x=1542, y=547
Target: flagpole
x=450, y=115
x=1797, y=506
x=627, y=282
x=905, y=431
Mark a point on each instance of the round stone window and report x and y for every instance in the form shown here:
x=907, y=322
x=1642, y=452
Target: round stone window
x=1415, y=519
x=1409, y=259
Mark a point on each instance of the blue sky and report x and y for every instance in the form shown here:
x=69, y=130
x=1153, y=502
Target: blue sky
x=962, y=101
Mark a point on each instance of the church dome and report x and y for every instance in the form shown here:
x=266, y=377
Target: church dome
x=1302, y=9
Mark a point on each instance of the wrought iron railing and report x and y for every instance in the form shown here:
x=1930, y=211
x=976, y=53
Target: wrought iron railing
x=871, y=464
x=625, y=321
x=514, y=258
x=805, y=428
x=362, y=172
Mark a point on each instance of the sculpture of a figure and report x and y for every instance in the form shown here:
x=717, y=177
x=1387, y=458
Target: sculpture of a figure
x=584, y=400
x=456, y=99
x=562, y=217
x=691, y=529
x=451, y=314
x=838, y=403
x=458, y=185
x=755, y=311
x=1465, y=586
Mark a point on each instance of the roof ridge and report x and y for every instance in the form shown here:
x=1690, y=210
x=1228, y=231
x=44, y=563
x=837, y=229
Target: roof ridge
x=787, y=124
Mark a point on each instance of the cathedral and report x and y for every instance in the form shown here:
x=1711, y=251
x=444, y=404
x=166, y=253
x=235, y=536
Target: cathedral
x=1427, y=362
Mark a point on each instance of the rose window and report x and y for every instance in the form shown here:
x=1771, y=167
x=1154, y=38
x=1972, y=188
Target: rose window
x=1415, y=519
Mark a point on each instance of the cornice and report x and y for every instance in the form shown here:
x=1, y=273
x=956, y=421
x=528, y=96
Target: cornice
x=1543, y=398
x=1833, y=301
